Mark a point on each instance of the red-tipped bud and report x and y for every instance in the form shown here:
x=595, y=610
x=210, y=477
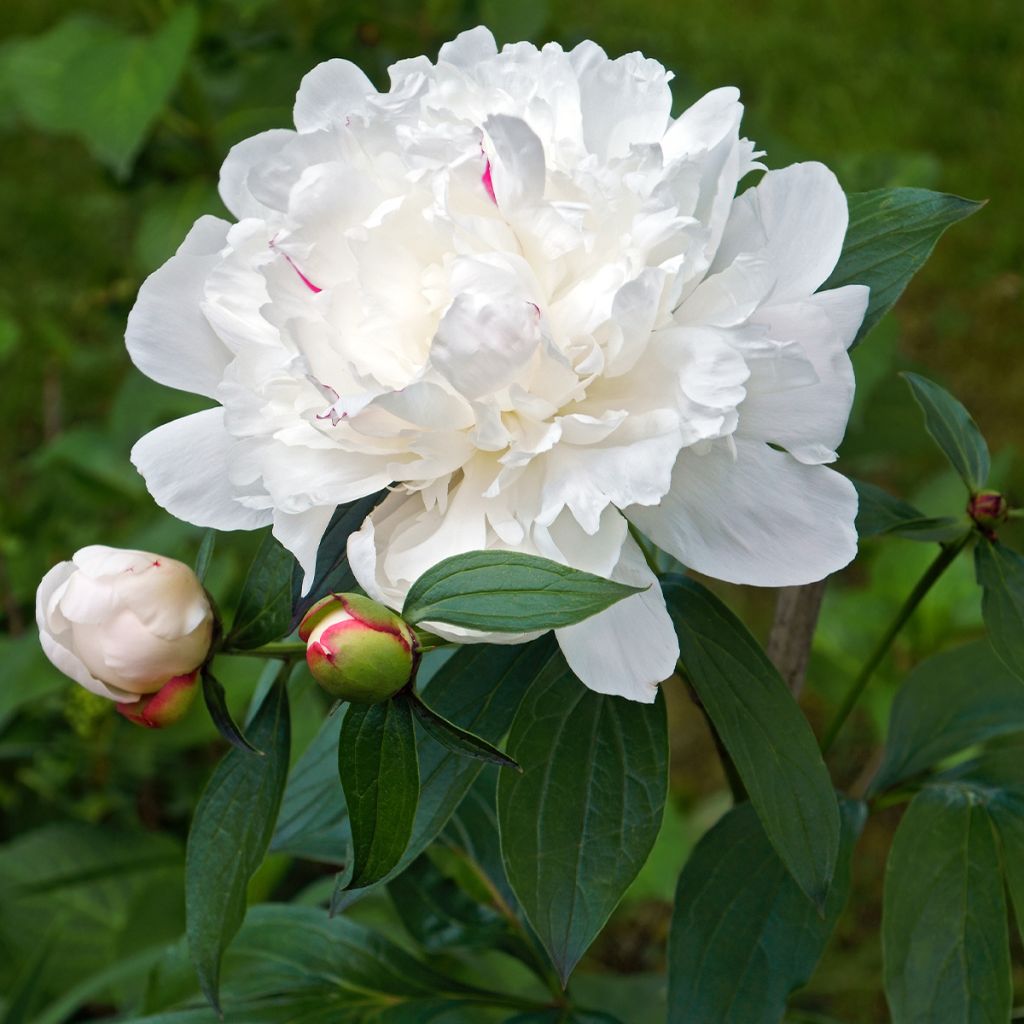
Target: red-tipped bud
x=357, y=649
x=988, y=509
x=165, y=707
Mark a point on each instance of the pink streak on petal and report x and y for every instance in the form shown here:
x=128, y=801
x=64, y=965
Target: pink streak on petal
x=488, y=183
x=305, y=280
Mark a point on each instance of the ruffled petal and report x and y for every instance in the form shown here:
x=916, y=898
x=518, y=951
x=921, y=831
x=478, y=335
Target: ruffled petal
x=757, y=517
x=185, y=464
x=806, y=413
x=168, y=337
x=795, y=219
x=234, y=187
x=628, y=649
x=329, y=94
x=624, y=102
x=517, y=162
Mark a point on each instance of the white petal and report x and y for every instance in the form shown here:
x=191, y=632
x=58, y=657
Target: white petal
x=625, y=102
x=760, y=518
x=234, y=186
x=185, y=465
x=168, y=337
x=807, y=419
x=704, y=125
x=633, y=466
x=630, y=648
x=55, y=636
x=795, y=219
x=480, y=347
x=329, y=93
x=469, y=48
x=301, y=535
x=517, y=161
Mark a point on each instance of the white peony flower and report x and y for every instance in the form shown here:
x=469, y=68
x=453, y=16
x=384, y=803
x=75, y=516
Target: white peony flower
x=123, y=623
x=514, y=288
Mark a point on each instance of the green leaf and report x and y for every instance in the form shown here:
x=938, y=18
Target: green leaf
x=743, y=934
x=479, y=688
x=380, y=775
x=953, y=430
x=878, y=513
x=89, y=79
x=333, y=574
x=765, y=733
x=1007, y=812
x=205, y=554
x=217, y=705
x=892, y=232
x=230, y=832
x=508, y=592
x=264, y=610
x=85, y=894
x=295, y=965
x=1000, y=572
x=439, y=914
x=944, y=929
x=458, y=740
x=949, y=702
x=578, y=823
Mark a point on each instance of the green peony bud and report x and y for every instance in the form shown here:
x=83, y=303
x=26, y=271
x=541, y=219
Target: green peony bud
x=358, y=650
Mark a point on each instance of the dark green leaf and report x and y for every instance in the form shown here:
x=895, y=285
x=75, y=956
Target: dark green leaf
x=295, y=965
x=217, y=705
x=892, y=232
x=953, y=430
x=743, y=934
x=264, y=610
x=944, y=929
x=90, y=79
x=313, y=822
x=479, y=688
x=205, y=554
x=473, y=831
x=1007, y=812
x=879, y=512
x=333, y=575
x=380, y=776
x=458, y=740
x=764, y=731
x=948, y=703
x=230, y=833
x=1000, y=572
x=509, y=593
x=439, y=914
x=578, y=823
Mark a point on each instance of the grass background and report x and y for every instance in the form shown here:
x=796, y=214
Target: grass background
x=109, y=153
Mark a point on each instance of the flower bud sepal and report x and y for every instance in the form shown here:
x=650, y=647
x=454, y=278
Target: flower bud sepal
x=166, y=706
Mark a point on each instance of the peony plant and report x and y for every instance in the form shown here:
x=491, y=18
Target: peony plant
x=499, y=358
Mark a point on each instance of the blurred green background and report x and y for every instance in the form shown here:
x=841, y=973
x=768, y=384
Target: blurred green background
x=114, y=117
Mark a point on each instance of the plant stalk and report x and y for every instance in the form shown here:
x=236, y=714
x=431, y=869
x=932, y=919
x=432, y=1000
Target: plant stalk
x=942, y=562
x=285, y=649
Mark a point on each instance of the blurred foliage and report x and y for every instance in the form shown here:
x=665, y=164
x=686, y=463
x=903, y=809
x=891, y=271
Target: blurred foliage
x=114, y=116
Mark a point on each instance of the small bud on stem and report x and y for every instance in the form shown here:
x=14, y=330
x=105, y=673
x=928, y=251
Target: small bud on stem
x=358, y=650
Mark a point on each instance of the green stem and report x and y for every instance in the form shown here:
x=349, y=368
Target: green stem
x=282, y=649
x=942, y=562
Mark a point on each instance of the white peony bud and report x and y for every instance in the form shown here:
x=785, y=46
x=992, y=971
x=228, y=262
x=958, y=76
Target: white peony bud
x=124, y=623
